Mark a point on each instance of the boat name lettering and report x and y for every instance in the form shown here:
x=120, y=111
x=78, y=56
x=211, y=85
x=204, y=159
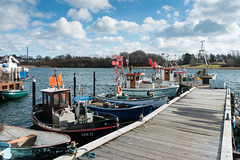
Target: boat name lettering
x=89, y=134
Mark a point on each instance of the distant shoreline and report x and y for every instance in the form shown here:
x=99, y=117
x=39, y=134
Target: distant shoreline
x=226, y=68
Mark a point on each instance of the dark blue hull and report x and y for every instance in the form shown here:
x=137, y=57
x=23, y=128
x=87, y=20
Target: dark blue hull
x=125, y=114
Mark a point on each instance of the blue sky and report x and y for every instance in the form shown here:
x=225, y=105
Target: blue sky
x=106, y=27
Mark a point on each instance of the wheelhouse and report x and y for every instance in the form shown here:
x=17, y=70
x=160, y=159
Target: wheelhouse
x=55, y=100
x=134, y=80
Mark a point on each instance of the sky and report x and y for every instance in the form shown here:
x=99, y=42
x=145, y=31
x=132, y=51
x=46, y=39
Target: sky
x=103, y=28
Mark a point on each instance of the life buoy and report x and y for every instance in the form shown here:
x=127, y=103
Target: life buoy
x=119, y=89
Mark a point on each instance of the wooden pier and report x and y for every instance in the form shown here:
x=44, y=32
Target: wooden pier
x=193, y=126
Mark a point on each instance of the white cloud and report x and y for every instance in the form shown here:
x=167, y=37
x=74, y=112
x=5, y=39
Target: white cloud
x=145, y=38
x=127, y=0
x=167, y=8
x=94, y=5
x=186, y=2
x=63, y=28
x=158, y=11
x=12, y=17
x=59, y=48
x=105, y=39
x=176, y=14
x=82, y=14
x=154, y=25
x=112, y=26
x=128, y=47
x=34, y=13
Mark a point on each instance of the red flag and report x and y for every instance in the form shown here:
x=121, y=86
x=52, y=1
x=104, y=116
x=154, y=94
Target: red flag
x=52, y=81
x=59, y=78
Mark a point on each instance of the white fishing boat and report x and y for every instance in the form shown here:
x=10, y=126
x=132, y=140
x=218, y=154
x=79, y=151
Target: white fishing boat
x=12, y=71
x=161, y=82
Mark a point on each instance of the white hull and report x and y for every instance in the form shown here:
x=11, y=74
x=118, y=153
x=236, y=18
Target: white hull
x=169, y=91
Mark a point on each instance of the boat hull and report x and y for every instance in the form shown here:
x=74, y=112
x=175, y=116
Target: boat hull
x=81, y=133
x=155, y=101
x=125, y=114
x=13, y=94
x=48, y=144
x=169, y=91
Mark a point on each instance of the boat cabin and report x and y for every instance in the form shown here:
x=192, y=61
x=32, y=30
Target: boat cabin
x=133, y=80
x=11, y=86
x=57, y=106
x=168, y=74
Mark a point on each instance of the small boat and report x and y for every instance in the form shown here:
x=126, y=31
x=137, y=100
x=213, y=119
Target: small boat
x=156, y=101
x=33, y=144
x=5, y=151
x=58, y=114
x=125, y=113
x=12, y=90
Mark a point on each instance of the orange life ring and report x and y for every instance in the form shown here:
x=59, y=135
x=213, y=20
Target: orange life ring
x=119, y=89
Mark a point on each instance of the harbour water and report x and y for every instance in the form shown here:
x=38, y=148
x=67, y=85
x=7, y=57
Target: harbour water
x=18, y=112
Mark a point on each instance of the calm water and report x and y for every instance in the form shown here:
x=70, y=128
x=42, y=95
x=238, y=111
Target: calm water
x=18, y=112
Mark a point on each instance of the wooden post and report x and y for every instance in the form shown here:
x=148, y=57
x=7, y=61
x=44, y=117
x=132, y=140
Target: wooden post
x=94, y=79
x=74, y=85
x=33, y=91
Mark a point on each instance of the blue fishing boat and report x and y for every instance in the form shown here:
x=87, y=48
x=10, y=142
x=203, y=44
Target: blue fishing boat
x=123, y=110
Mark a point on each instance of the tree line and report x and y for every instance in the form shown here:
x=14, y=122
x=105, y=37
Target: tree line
x=229, y=60
x=138, y=59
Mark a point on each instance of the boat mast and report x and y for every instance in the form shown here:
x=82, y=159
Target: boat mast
x=55, y=70
x=203, y=53
x=127, y=60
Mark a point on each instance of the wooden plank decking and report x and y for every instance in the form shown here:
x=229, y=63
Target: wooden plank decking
x=191, y=128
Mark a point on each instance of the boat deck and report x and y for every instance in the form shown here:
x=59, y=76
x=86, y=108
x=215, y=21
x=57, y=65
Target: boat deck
x=190, y=128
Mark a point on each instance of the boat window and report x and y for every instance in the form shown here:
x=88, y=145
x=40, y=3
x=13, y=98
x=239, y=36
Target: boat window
x=137, y=78
x=56, y=99
x=63, y=98
x=49, y=100
x=67, y=97
x=44, y=98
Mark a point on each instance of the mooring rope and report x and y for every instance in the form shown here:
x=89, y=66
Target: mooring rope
x=84, y=156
